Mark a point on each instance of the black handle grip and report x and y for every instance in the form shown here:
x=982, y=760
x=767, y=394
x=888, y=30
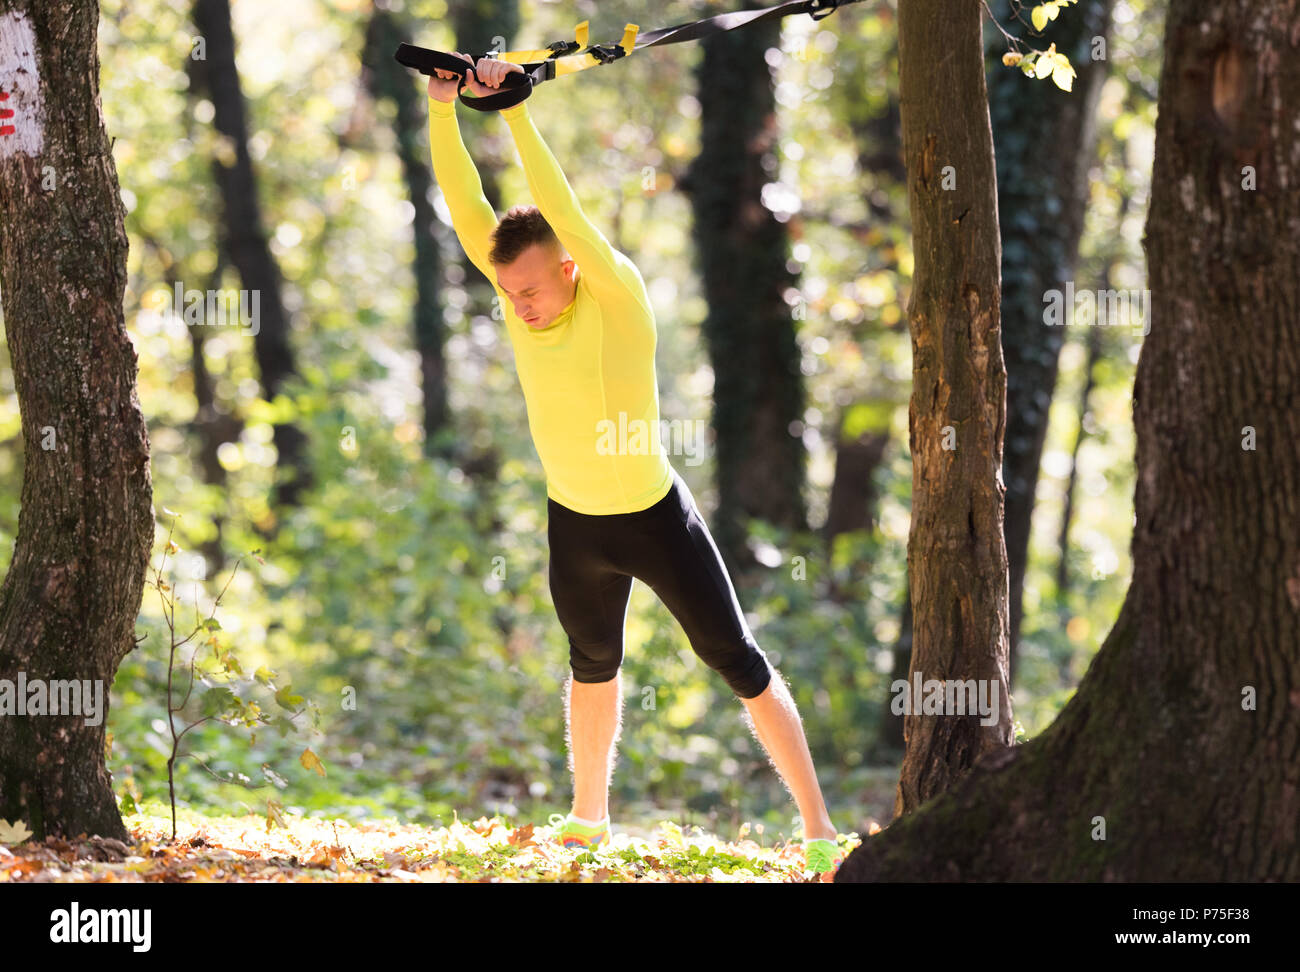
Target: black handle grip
x=515, y=86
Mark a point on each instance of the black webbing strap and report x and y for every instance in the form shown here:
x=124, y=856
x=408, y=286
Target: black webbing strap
x=517, y=86
x=696, y=29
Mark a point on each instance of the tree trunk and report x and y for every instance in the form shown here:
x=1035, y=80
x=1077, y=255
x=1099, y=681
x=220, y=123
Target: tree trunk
x=244, y=236
x=69, y=602
x=385, y=78
x=481, y=26
x=209, y=426
x=742, y=249
x=955, y=553
x=1093, y=341
x=891, y=740
x=853, y=499
x=1181, y=740
x=1045, y=141
x=853, y=495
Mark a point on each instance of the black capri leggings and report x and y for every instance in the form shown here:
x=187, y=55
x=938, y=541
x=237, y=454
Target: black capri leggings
x=667, y=546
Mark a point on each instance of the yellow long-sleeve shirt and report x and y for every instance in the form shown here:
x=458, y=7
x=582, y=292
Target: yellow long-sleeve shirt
x=588, y=378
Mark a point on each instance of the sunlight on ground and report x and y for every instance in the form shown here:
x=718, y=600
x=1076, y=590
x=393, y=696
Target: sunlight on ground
x=286, y=848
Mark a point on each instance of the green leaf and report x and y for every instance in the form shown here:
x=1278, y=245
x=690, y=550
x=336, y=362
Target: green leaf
x=211, y=624
x=287, y=699
x=219, y=700
x=264, y=675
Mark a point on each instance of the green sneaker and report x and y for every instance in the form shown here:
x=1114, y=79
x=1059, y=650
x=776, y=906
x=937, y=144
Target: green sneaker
x=823, y=855
x=570, y=833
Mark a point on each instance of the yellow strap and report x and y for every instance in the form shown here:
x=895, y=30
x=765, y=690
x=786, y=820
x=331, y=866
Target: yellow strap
x=572, y=63
x=524, y=57
x=629, y=38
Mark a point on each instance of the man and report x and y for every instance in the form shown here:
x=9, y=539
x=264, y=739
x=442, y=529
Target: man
x=584, y=340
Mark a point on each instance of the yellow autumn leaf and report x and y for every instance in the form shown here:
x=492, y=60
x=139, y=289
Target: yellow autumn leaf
x=311, y=761
x=13, y=833
x=1063, y=73
x=1044, y=66
x=273, y=815
x=1011, y=58
x=1039, y=16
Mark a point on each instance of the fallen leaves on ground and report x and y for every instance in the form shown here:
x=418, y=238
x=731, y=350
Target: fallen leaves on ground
x=313, y=849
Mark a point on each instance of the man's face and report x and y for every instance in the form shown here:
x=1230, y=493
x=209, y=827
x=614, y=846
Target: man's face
x=540, y=283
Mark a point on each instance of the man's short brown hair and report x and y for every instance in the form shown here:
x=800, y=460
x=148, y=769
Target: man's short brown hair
x=519, y=229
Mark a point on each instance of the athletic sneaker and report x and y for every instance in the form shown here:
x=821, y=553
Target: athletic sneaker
x=570, y=833
x=823, y=855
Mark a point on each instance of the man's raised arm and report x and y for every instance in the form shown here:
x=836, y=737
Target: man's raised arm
x=610, y=274
x=472, y=215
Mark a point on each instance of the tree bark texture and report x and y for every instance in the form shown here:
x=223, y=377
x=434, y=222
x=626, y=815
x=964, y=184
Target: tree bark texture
x=69, y=601
x=1183, y=740
x=955, y=553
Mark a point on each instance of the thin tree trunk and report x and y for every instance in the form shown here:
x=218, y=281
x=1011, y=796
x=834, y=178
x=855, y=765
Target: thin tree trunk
x=1176, y=758
x=210, y=427
x=69, y=602
x=385, y=78
x=853, y=499
x=1045, y=140
x=1067, y=514
x=891, y=725
x=853, y=496
x=955, y=553
x=244, y=235
x=742, y=250
x=1089, y=379
x=481, y=26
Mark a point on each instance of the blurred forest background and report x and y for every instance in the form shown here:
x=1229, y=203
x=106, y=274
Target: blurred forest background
x=402, y=588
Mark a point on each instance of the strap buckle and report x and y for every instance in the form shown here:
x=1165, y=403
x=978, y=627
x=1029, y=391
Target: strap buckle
x=562, y=48
x=606, y=53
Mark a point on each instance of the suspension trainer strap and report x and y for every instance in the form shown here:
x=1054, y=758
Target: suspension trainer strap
x=569, y=57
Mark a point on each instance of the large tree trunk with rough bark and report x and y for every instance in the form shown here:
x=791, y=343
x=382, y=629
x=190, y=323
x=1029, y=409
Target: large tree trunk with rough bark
x=243, y=232
x=69, y=601
x=956, y=557
x=1175, y=759
x=1045, y=141
x=742, y=250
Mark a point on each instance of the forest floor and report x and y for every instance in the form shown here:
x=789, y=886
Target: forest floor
x=283, y=847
